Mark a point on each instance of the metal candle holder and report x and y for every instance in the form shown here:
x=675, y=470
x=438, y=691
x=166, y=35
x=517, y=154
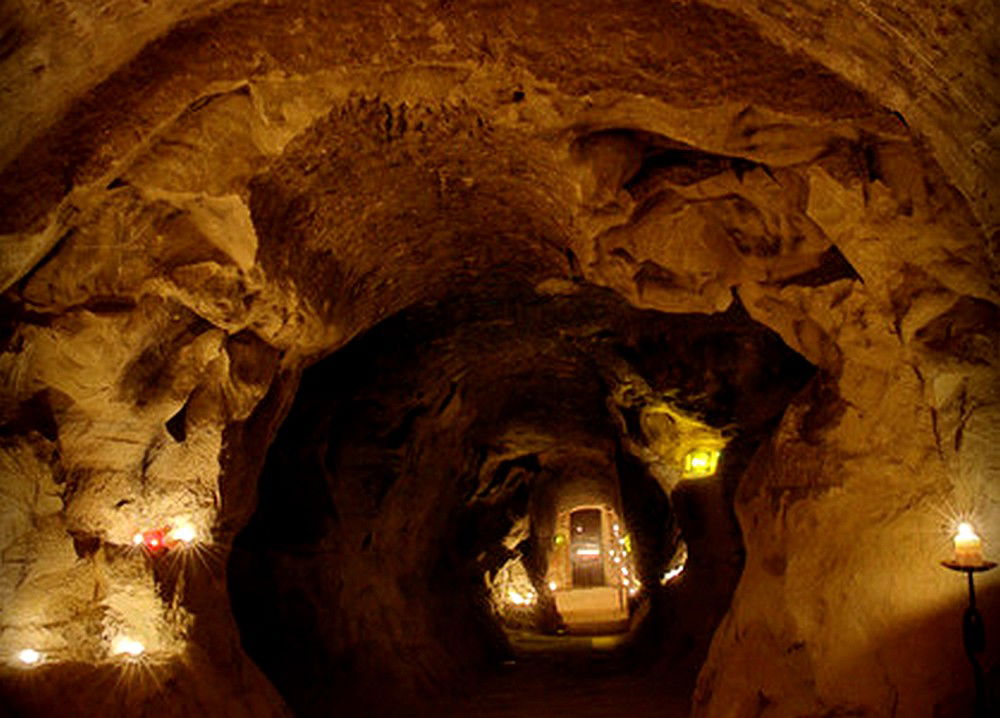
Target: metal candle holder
x=973, y=632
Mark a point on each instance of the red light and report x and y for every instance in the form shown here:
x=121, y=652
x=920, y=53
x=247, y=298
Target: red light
x=153, y=539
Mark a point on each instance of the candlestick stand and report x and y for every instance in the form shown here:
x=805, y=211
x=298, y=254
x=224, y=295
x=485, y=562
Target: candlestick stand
x=973, y=632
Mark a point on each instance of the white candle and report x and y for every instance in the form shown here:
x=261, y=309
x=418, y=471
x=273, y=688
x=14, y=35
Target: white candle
x=968, y=547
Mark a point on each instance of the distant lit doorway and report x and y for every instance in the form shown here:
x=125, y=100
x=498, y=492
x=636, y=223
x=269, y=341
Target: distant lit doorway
x=586, y=549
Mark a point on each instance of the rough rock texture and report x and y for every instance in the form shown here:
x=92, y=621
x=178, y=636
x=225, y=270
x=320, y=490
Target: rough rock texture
x=200, y=200
x=932, y=62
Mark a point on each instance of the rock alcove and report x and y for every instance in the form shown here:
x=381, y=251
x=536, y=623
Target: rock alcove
x=310, y=310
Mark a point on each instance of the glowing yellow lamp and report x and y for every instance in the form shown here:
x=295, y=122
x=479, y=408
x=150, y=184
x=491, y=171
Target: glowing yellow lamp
x=701, y=462
x=968, y=546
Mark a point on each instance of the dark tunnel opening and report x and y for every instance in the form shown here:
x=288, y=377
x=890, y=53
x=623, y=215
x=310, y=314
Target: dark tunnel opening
x=419, y=463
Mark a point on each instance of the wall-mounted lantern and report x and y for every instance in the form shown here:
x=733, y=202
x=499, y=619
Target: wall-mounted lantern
x=702, y=462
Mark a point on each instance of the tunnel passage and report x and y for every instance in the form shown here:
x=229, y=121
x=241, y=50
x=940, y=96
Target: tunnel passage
x=410, y=457
x=200, y=198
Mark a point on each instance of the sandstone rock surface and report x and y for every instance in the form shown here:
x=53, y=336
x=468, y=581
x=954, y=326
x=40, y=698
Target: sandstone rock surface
x=337, y=284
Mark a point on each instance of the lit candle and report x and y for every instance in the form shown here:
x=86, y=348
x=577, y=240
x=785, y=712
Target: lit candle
x=184, y=533
x=124, y=644
x=968, y=547
x=29, y=656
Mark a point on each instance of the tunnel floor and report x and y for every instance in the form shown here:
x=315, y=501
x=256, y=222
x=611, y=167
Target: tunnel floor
x=579, y=676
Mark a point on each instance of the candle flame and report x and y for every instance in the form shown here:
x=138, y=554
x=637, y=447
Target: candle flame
x=965, y=531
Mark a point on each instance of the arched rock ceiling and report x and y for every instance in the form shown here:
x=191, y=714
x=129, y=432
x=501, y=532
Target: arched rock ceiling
x=190, y=132
x=929, y=62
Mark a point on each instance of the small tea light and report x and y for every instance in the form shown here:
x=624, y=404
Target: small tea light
x=184, y=533
x=553, y=585
x=29, y=656
x=128, y=646
x=152, y=540
x=968, y=546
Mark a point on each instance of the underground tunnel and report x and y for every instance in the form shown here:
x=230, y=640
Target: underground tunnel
x=478, y=359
